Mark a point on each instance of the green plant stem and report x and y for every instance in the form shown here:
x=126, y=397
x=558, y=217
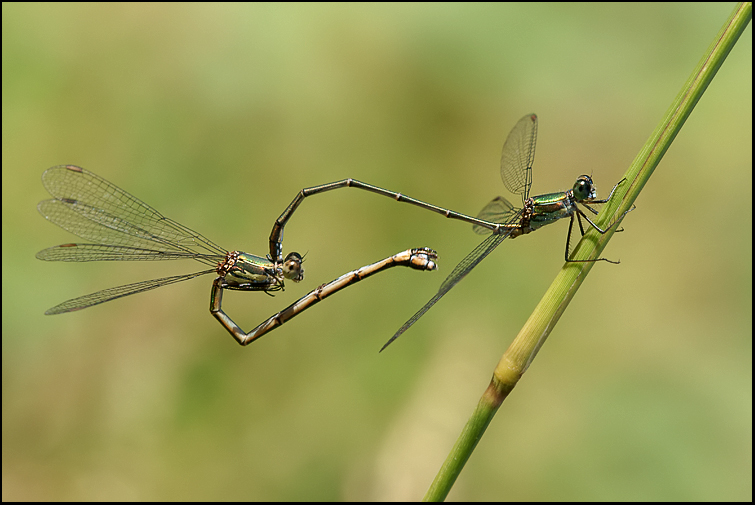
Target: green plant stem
x=541, y=322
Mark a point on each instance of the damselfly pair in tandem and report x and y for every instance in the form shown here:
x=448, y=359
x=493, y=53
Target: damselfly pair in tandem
x=123, y=228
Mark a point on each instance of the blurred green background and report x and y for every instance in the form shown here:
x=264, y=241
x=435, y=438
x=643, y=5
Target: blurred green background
x=218, y=115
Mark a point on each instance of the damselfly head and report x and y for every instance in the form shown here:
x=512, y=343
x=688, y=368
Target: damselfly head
x=292, y=268
x=584, y=189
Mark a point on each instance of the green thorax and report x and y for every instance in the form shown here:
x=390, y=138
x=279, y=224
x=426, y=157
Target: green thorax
x=548, y=208
x=248, y=272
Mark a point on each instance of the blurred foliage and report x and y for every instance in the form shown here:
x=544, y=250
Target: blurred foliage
x=218, y=114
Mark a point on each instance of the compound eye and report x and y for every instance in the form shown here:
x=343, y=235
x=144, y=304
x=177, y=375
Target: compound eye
x=583, y=188
x=292, y=268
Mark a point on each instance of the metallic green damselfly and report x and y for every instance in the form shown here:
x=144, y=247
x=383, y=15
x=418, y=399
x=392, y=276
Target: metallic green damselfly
x=123, y=228
x=499, y=216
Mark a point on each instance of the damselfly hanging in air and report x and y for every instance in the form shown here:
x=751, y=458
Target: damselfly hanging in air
x=123, y=228
x=499, y=216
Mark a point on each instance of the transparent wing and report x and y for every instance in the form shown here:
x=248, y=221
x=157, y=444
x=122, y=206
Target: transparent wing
x=499, y=210
x=101, y=252
x=94, y=209
x=106, y=295
x=518, y=155
x=459, y=272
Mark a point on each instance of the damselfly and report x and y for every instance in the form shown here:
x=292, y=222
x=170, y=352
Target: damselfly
x=499, y=216
x=123, y=228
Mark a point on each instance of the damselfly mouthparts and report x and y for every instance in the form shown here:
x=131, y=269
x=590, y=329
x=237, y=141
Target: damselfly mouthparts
x=123, y=228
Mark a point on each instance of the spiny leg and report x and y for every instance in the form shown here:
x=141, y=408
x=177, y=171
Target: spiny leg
x=610, y=195
x=579, y=213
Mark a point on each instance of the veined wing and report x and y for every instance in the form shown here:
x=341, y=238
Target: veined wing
x=517, y=156
x=106, y=295
x=459, y=272
x=94, y=209
x=101, y=252
x=499, y=210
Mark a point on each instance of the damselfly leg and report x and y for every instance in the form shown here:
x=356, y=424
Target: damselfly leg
x=579, y=214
